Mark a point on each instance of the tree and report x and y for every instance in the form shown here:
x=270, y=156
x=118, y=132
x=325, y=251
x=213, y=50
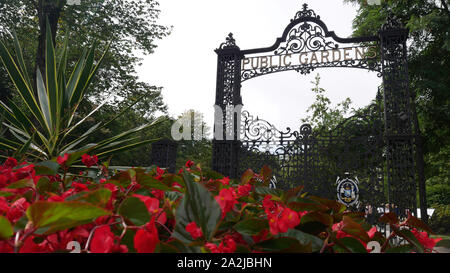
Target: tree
x=323, y=115
x=132, y=25
x=429, y=67
x=197, y=150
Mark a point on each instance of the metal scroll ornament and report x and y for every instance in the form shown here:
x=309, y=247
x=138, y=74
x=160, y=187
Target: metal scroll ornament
x=348, y=191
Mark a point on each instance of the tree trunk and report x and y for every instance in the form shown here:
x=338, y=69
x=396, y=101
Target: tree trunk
x=47, y=9
x=420, y=163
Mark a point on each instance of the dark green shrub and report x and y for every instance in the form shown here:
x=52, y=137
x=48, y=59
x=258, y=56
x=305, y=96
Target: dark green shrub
x=440, y=221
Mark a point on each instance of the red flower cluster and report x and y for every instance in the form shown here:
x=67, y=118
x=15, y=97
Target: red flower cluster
x=425, y=240
x=228, y=245
x=104, y=241
x=226, y=200
x=194, y=230
x=146, y=239
x=88, y=160
x=281, y=218
x=136, y=211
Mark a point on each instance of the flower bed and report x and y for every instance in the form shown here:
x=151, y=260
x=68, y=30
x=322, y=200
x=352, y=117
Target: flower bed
x=46, y=208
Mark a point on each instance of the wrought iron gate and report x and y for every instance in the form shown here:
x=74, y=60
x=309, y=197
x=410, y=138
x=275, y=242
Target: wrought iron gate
x=377, y=147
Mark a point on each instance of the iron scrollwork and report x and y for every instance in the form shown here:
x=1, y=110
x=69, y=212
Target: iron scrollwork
x=308, y=34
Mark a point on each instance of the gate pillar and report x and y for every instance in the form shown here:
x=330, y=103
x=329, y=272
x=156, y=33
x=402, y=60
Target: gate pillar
x=398, y=118
x=227, y=120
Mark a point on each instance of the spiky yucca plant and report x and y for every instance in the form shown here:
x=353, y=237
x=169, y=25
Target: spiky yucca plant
x=48, y=133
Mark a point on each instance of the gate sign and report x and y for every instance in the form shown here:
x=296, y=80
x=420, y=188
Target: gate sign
x=310, y=57
x=348, y=191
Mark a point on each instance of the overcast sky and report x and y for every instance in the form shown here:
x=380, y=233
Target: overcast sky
x=185, y=63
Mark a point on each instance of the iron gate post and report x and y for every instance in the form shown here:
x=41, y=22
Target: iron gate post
x=228, y=96
x=398, y=118
x=164, y=154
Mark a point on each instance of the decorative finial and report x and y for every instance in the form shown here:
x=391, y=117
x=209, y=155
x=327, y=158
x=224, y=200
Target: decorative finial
x=230, y=42
x=306, y=12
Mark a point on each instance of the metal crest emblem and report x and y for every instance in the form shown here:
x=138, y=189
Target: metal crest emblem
x=348, y=191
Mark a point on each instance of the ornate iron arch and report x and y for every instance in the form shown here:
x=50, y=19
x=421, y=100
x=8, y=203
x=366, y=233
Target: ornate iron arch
x=307, y=33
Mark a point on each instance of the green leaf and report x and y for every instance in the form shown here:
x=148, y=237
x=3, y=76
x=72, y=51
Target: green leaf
x=247, y=176
x=51, y=79
x=251, y=226
x=44, y=100
x=352, y=244
x=6, y=230
x=21, y=223
x=46, y=168
x=56, y=216
x=284, y=244
x=268, y=191
x=304, y=239
x=415, y=222
x=98, y=197
x=401, y=249
x=16, y=76
x=20, y=59
x=135, y=211
x=303, y=204
x=315, y=216
x=5, y=193
x=23, y=150
x=23, y=183
x=409, y=236
x=199, y=206
x=150, y=182
x=352, y=228
x=266, y=174
x=334, y=205
x=43, y=185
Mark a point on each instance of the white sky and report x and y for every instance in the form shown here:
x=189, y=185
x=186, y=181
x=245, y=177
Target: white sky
x=185, y=62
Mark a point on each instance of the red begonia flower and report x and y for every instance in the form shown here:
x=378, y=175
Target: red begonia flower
x=228, y=245
x=62, y=159
x=282, y=220
x=194, y=230
x=102, y=241
x=424, y=239
x=89, y=160
x=146, y=239
x=189, y=164
x=226, y=200
x=10, y=163
x=244, y=190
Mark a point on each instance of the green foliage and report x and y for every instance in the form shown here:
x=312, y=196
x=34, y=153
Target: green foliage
x=132, y=25
x=135, y=211
x=48, y=131
x=322, y=114
x=6, y=230
x=55, y=216
x=440, y=221
x=199, y=151
x=438, y=184
x=198, y=206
